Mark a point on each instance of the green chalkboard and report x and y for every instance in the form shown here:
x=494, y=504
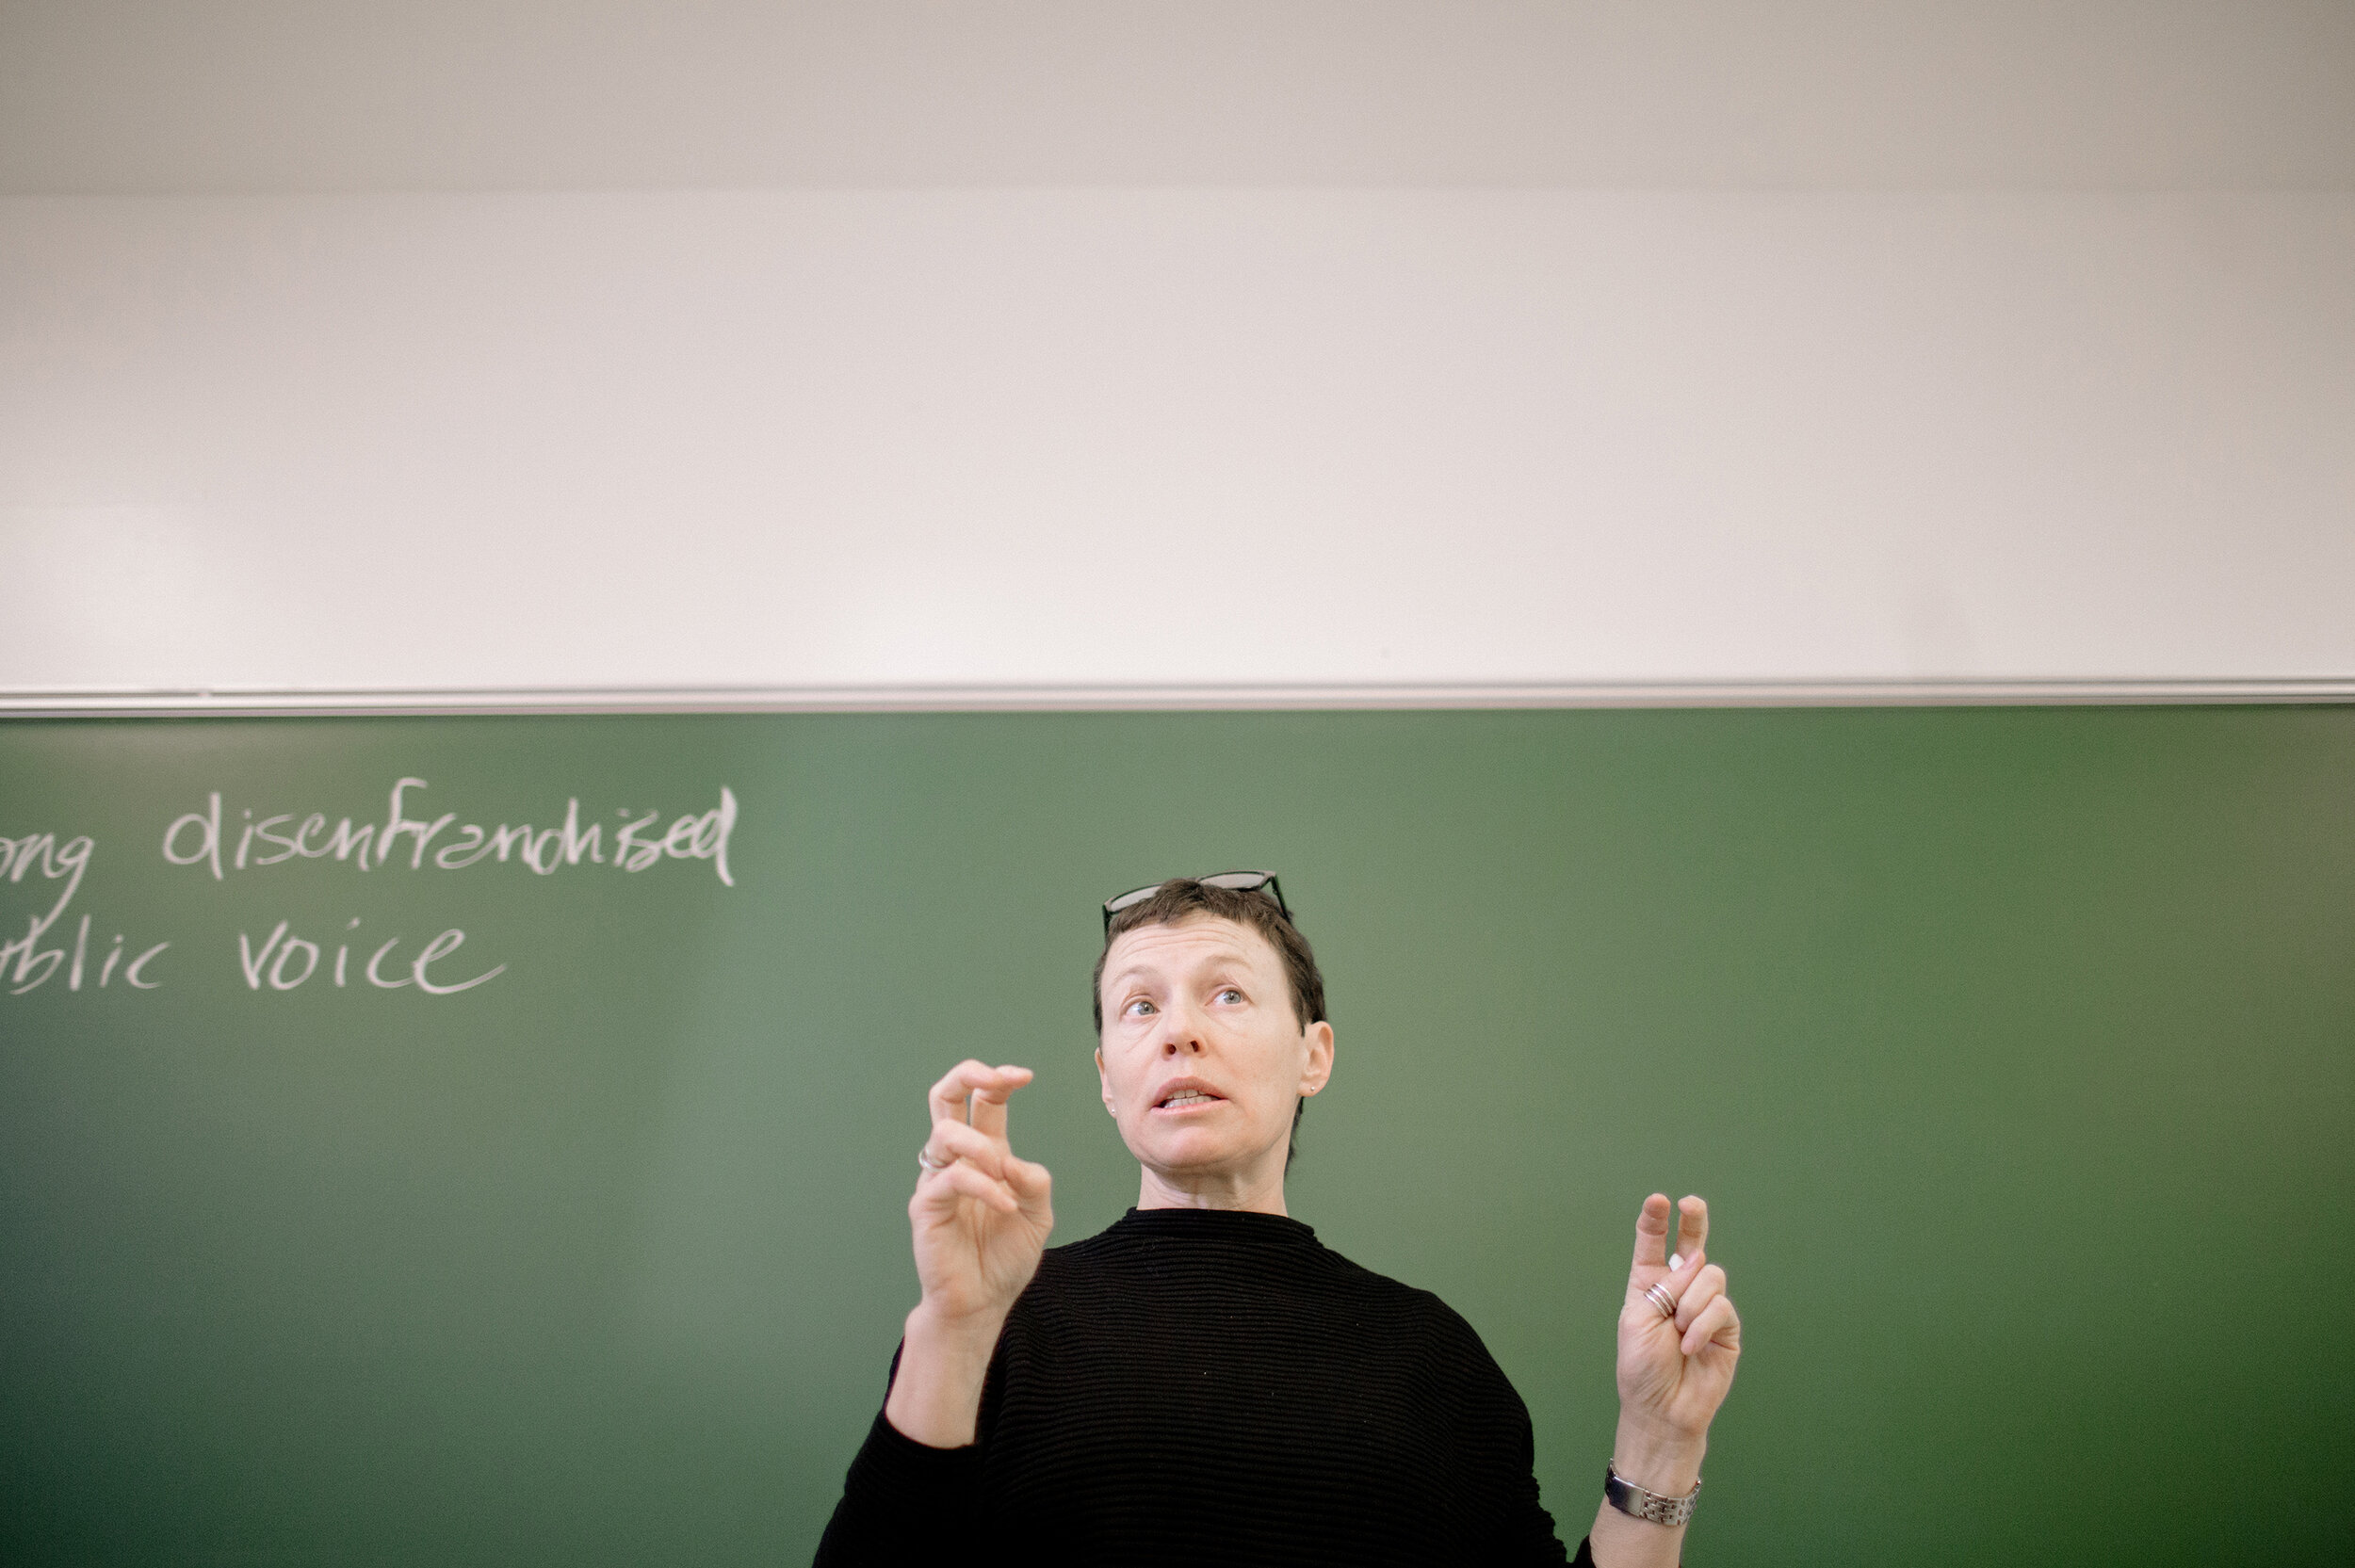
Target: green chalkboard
x=2011, y=1046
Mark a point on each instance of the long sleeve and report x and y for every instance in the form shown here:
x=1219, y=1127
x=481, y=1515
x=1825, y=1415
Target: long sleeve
x=903, y=1502
x=1495, y=1439
x=902, y=1497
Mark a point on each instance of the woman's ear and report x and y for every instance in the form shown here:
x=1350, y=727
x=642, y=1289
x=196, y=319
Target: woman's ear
x=1105, y=1083
x=1319, y=1071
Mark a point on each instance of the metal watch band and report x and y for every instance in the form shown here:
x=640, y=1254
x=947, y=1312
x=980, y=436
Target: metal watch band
x=1633, y=1501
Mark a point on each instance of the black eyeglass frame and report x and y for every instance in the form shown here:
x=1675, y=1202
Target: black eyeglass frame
x=1235, y=882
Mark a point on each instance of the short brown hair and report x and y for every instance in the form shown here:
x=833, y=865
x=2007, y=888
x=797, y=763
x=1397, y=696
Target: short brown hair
x=1182, y=899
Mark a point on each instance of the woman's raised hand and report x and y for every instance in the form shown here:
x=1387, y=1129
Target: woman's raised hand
x=1674, y=1366
x=1674, y=1371
x=981, y=1215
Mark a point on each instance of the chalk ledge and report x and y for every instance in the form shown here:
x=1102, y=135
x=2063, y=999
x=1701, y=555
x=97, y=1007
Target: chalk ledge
x=1115, y=699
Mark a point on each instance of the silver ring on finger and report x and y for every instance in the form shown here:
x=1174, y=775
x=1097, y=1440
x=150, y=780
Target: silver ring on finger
x=930, y=1166
x=1659, y=1297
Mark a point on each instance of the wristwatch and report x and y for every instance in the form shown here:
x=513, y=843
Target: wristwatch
x=1633, y=1500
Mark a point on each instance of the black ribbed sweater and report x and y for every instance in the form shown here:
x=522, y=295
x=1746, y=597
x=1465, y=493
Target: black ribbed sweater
x=1201, y=1386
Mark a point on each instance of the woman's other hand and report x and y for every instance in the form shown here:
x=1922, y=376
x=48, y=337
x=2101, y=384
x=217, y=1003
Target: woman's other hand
x=1673, y=1371
x=981, y=1217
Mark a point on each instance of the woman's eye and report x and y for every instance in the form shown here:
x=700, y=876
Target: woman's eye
x=1229, y=993
x=1138, y=1008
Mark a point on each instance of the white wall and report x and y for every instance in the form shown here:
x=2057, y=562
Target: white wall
x=449, y=438
x=140, y=96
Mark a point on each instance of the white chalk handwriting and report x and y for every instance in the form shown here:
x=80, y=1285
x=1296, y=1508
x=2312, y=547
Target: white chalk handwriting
x=272, y=838
x=286, y=959
x=35, y=965
x=296, y=959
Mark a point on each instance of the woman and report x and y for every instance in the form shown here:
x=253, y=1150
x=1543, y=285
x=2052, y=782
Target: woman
x=1205, y=1381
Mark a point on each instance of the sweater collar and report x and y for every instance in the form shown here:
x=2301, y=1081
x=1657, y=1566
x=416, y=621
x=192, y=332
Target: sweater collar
x=1225, y=1224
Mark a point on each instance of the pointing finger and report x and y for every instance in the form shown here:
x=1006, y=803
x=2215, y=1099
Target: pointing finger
x=951, y=1097
x=947, y=1097
x=1651, y=1233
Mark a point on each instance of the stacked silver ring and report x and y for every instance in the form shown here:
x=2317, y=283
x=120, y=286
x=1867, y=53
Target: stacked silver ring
x=1659, y=1297
x=924, y=1161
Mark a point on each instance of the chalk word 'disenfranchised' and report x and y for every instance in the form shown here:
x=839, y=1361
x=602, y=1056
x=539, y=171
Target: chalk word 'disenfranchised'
x=197, y=837
x=33, y=964
x=271, y=964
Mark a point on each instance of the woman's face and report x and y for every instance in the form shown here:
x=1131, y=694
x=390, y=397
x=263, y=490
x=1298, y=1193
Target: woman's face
x=1202, y=1058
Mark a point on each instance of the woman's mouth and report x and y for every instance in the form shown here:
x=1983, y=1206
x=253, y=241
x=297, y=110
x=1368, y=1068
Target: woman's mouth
x=1186, y=1099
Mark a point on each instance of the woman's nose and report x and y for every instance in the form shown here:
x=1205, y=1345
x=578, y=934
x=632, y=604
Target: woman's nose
x=1179, y=1037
